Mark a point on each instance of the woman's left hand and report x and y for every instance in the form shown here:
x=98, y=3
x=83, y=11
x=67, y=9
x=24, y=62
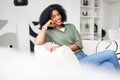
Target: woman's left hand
x=53, y=48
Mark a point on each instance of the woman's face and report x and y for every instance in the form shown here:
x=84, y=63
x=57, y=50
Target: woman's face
x=56, y=17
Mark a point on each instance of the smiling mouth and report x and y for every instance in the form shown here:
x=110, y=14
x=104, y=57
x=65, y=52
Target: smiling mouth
x=59, y=21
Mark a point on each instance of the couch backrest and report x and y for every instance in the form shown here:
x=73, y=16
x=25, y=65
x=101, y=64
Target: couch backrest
x=89, y=46
x=114, y=34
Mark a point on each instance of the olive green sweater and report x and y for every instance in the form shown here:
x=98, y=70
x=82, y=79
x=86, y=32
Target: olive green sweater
x=68, y=37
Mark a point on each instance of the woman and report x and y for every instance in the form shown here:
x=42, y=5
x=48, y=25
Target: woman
x=54, y=30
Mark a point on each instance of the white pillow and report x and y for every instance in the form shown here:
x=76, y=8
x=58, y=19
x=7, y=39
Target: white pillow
x=66, y=55
x=63, y=55
x=108, y=45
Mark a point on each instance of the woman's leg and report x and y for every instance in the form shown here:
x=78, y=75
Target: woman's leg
x=80, y=55
x=101, y=57
x=107, y=65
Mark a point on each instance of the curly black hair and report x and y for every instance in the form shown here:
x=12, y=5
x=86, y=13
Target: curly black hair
x=46, y=14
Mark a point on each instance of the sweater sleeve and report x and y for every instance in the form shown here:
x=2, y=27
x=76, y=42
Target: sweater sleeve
x=77, y=37
x=47, y=38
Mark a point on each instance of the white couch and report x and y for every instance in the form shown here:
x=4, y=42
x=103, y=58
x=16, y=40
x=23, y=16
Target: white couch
x=93, y=46
x=89, y=47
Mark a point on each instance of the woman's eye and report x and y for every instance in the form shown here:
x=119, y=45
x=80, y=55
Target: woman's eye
x=53, y=17
x=58, y=14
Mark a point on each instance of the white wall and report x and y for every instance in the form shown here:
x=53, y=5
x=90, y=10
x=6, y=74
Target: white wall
x=23, y=15
x=115, y=16
x=111, y=15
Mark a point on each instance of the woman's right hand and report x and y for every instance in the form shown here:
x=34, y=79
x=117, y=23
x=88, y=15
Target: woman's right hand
x=50, y=23
x=41, y=35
